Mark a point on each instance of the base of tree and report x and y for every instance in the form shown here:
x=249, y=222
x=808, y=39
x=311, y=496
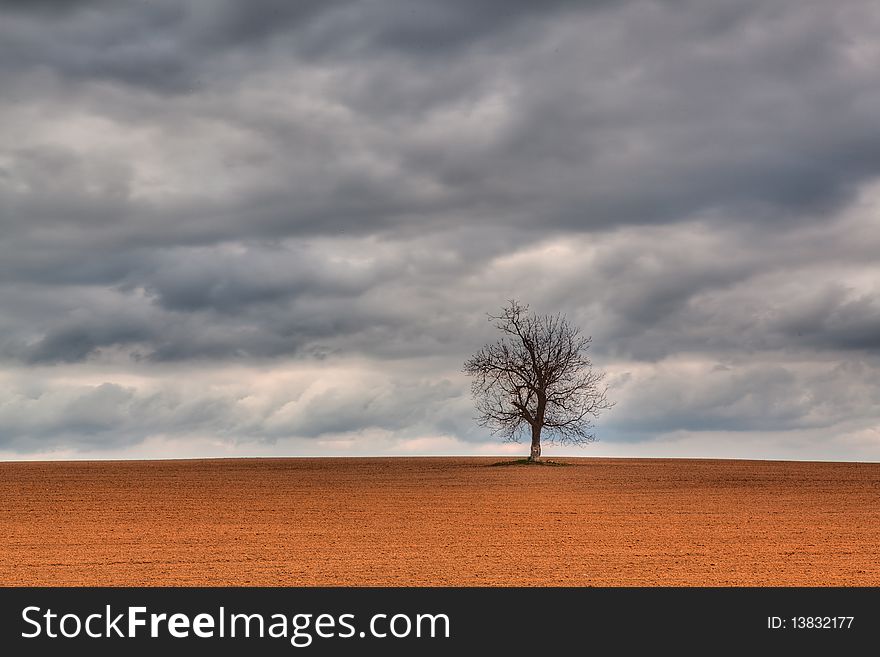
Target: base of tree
x=528, y=462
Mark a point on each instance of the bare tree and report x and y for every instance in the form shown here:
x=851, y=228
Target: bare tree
x=537, y=376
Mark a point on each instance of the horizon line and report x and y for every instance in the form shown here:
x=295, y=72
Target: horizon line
x=430, y=456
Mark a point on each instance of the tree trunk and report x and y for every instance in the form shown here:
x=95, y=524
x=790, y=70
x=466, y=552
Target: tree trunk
x=535, y=454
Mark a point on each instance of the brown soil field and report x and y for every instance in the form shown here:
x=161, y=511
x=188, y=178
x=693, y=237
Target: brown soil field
x=439, y=522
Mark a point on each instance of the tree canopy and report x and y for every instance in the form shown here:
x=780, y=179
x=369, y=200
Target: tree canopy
x=537, y=377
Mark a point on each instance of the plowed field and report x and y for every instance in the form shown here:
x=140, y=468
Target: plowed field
x=439, y=521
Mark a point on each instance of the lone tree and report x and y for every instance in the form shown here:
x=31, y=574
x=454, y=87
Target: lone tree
x=537, y=376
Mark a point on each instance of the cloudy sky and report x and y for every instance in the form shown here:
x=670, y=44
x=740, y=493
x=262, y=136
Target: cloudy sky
x=275, y=228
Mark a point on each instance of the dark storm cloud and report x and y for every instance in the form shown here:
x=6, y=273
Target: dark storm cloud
x=835, y=319
x=264, y=182
x=49, y=6
x=167, y=47
x=760, y=113
x=78, y=342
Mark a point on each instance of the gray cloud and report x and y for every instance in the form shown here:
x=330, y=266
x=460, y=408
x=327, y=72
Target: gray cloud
x=749, y=397
x=271, y=185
